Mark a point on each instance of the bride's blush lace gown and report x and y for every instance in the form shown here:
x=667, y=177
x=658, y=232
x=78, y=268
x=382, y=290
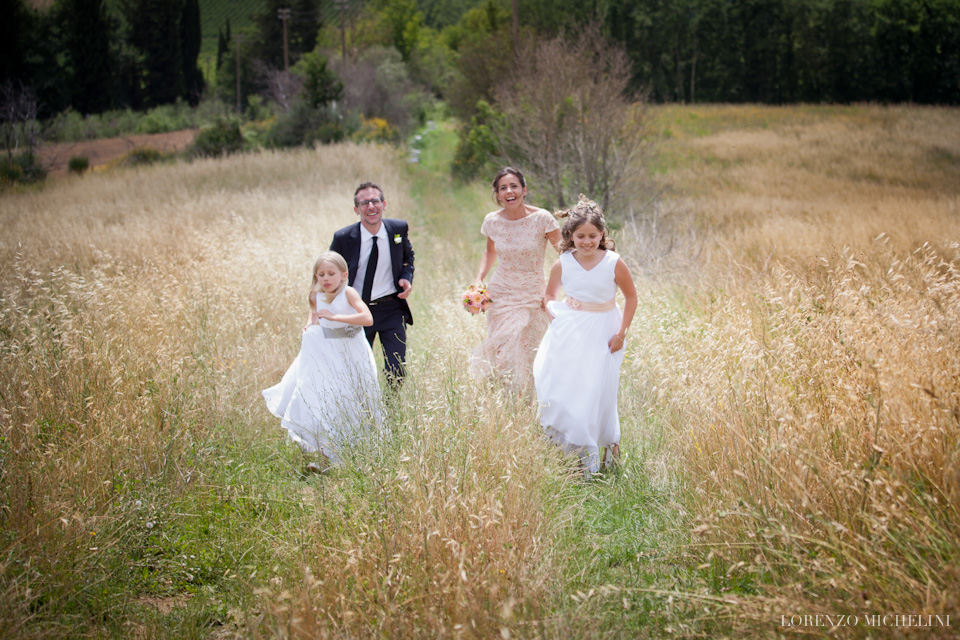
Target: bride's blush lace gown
x=516, y=320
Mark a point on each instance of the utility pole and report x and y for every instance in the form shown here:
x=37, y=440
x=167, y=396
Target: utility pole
x=238, y=74
x=284, y=15
x=343, y=26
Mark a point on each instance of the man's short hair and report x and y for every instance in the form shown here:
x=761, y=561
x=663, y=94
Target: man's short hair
x=367, y=185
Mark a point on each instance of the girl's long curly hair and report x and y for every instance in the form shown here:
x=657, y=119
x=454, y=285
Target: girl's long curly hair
x=584, y=211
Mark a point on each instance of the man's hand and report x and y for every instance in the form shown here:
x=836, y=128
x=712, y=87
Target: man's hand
x=407, y=288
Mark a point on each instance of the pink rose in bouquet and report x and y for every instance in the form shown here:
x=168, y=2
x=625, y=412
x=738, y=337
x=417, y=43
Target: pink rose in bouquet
x=476, y=299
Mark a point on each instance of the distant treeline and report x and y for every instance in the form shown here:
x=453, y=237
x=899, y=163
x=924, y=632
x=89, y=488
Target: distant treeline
x=93, y=55
x=777, y=51
x=82, y=54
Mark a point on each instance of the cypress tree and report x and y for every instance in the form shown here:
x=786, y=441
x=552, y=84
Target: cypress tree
x=90, y=64
x=223, y=44
x=153, y=30
x=191, y=38
x=269, y=43
x=303, y=27
x=16, y=32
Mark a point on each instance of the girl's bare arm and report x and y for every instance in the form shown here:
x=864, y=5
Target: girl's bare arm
x=553, y=285
x=362, y=317
x=624, y=280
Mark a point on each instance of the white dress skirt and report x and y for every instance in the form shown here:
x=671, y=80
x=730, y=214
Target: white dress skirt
x=330, y=395
x=576, y=376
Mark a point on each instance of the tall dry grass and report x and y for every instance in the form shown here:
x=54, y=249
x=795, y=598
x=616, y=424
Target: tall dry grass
x=142, y=311
x=806, y=369
x=810, y=367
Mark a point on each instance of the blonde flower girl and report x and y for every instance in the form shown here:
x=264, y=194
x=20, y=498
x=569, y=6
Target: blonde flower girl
x=330, y=394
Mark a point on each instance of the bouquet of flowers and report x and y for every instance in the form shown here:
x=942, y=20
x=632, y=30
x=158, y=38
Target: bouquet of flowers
x=476, y=299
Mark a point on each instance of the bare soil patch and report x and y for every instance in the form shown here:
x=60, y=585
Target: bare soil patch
x=100, y=152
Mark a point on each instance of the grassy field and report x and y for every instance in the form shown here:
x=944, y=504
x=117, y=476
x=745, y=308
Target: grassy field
x=790, y=402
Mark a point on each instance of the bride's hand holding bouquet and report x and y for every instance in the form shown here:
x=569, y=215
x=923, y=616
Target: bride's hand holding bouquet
x=476, y=299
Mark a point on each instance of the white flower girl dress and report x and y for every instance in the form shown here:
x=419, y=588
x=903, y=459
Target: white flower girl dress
x=575, y=374
x=330, y=394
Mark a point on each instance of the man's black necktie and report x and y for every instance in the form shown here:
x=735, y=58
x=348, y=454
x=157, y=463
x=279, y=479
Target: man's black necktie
x=371, y=270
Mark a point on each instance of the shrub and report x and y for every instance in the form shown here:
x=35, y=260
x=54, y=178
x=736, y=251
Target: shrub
x=256, y=134
x=78, y=164
x=305, y=125
x=569, y=119
x=23, y=168
x=141, y=156
x=380, y=87
x=326, y=133
x=70, y=126
x=222, y=138
x=477, y=144
x=10, y=171
x=374, y=130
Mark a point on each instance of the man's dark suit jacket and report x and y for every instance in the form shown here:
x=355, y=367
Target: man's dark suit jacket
x=346, y=242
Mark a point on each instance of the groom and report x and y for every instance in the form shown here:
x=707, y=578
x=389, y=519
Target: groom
x=380, y=261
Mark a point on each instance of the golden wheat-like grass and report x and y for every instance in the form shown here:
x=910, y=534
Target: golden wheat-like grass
x=812, y=374
x=806, y=367
x=142, y=312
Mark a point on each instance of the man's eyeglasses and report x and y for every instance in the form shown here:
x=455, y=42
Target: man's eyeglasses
x=367, y=203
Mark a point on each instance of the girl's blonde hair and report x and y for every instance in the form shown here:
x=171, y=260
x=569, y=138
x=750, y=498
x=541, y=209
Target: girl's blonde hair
x=584, y=211
x=337, y=261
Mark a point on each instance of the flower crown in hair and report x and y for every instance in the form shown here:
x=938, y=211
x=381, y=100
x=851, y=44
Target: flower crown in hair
x=584, y=204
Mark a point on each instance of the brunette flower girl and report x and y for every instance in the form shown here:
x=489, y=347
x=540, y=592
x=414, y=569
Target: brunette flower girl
x=577, y=367
x=330, y=393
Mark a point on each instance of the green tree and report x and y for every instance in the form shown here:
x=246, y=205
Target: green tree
x=153, y=30
x=321, y=86
x=483, y=42
x=433, y=63
x=17, y=31
x=223, y=43
x=917, y=50
x=89, y=60
x=558, y=16
x=227, y=76
x=191, y=37
x=29, y=55
x=306, y=22
x=438, y=14
x=404, y=23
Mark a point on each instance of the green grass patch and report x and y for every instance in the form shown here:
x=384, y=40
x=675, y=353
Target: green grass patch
x=174, y=564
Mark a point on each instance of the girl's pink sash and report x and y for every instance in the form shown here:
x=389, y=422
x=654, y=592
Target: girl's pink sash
x=596, y=307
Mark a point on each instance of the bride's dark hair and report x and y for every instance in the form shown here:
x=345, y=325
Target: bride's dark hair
x=506, y=171
x=584, y=211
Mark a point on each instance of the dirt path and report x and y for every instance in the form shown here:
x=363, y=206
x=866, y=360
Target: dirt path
x=100, y=152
